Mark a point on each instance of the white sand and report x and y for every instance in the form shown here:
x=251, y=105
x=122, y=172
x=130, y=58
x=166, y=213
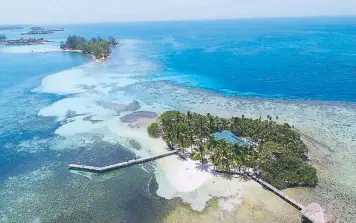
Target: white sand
x=187, y=177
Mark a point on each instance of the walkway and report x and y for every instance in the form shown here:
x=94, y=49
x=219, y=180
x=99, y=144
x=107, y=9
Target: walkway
x=313, y=212
x=119, y=165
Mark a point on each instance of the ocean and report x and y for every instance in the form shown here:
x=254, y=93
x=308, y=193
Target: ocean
x=58, y=108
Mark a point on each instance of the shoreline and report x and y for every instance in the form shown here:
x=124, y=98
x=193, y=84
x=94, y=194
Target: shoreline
x=189, y=177
x=14, y=43
x=89, y=54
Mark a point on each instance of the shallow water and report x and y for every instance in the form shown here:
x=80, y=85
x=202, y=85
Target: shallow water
x=59, y=108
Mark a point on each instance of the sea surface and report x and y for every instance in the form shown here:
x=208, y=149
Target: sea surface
x=58, y=108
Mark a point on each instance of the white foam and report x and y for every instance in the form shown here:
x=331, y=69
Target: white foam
x=79, y=80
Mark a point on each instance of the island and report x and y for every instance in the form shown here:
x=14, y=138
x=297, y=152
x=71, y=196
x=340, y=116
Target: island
x=260, y=147
x=9, y=27
x=30, y=41
x=98, y=47
x=40, y=30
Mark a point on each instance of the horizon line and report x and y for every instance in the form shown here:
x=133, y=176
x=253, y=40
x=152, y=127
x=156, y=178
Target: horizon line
x=184, y=20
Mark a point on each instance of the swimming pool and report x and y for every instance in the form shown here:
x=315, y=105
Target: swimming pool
x=229, y=136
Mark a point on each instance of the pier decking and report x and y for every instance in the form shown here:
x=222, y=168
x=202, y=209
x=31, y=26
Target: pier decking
x=278, y=193
x=312, y=212
x=119, y=165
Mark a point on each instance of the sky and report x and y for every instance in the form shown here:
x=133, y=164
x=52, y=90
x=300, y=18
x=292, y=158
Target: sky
x=96, y=11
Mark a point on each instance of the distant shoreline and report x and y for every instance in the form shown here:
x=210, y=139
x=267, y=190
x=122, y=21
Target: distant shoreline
x=89, y=54
x=22, y=42
x=41, y=31
x=99, y=48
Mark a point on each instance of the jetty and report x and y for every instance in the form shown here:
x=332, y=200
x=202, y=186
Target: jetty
x=119, y=165
x=312, y=213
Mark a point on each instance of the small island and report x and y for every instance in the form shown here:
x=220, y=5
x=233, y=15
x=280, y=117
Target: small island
x=40, y=30
x=9, y=27
x=98, y=47
x=262, y=148
x=22, y=41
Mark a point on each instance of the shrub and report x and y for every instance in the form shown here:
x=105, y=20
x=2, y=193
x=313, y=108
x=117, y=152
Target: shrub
x=153, y=130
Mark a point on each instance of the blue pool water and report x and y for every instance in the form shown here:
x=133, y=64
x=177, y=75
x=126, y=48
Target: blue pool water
x=229, y=136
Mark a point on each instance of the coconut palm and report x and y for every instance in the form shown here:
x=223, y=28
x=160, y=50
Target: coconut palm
x=277, y=145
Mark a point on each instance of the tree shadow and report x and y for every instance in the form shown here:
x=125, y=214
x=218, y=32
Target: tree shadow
x=233, y=175
x=204, y=167
x=183, y=156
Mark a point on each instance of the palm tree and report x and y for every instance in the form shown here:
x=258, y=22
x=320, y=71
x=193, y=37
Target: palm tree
x=217, y=156
x=225, y=155
x=167, y=129
x=190, y=129
x=239, y=156
x=211, y=123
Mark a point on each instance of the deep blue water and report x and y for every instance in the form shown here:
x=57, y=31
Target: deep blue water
x=310, y=58
x=268, y=59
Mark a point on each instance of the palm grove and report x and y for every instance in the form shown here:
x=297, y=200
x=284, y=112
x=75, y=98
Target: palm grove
x=98, y=47
x=278, y=156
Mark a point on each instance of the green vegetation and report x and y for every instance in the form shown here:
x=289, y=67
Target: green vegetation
x=2, y=36
x=22, y=41
x=275, y=152
x=98, y=47
x=153, y=130
x=41, y=31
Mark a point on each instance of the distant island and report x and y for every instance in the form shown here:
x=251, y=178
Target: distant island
x=9, y=27
x=270, y=151
x=40, y=30
x=99, y=48
x=22, y=41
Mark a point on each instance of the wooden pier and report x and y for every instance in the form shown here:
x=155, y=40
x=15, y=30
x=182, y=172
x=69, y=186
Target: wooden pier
x=279, y=193
x=312, y=212
x=119, y=165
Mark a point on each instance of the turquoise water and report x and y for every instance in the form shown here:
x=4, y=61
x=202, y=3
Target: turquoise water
x=229, y=136
x=300, y=59
x=271, y=58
